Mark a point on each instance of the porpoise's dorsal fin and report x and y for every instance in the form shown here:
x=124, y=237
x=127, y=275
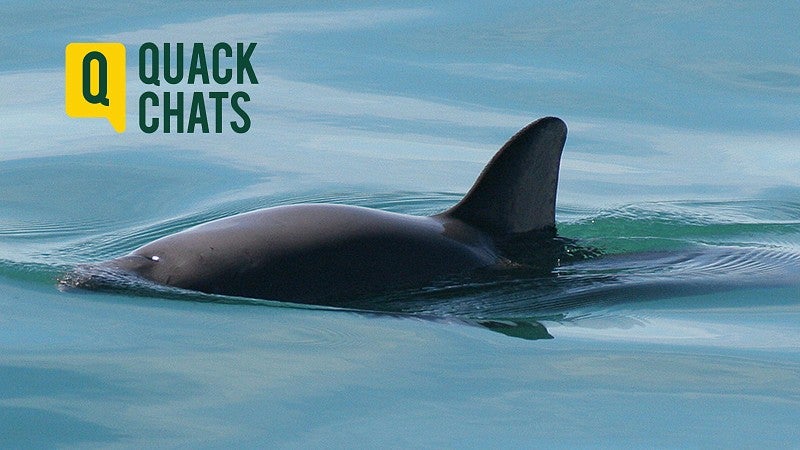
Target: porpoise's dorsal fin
x=516, y=192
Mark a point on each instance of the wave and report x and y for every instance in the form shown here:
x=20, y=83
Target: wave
x=641, y=251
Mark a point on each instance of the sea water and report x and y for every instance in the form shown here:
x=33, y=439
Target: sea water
x=680, y=170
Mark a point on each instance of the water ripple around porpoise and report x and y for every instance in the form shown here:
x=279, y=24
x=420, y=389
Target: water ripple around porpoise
x=645, y=251
x=648, y=251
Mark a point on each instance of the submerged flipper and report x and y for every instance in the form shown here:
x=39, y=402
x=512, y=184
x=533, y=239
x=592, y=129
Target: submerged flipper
x=516, y=192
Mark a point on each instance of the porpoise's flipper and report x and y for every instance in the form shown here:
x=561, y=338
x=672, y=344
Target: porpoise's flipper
x=516, y=192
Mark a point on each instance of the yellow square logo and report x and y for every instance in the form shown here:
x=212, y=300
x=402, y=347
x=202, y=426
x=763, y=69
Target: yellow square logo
x=95, y=81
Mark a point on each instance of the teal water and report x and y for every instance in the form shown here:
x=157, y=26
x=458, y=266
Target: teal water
x=680, y=168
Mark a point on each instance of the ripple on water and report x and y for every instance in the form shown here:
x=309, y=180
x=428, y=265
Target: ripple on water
x=650, y=250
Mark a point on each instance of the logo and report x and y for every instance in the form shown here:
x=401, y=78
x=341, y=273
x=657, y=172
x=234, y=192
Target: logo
x=95, y=81
x=95, y=85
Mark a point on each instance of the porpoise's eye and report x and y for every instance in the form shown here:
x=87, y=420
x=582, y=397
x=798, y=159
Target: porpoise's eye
x=155, y=258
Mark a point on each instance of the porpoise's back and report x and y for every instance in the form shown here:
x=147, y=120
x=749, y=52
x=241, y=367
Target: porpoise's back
x=313, y=253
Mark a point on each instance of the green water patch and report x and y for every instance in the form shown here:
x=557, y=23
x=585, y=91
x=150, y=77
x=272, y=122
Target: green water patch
x=680, y=225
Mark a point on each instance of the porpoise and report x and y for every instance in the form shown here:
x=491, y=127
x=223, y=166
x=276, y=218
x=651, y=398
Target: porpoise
x=326, y=253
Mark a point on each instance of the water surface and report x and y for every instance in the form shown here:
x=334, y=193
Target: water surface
x=680, y=168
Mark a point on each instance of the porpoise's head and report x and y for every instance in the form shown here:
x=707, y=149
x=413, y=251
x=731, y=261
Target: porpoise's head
x=129, y=270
